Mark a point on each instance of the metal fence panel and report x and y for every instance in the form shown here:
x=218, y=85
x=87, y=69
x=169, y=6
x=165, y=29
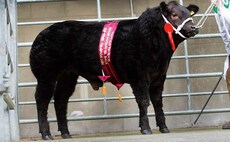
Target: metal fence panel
x=186, y=58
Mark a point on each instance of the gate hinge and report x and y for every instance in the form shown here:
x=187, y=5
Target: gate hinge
x=8, y=100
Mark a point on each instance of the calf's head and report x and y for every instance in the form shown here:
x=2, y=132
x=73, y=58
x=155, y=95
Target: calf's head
x=180, y=18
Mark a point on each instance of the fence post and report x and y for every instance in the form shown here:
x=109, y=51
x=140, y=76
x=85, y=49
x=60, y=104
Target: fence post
x=9, y=124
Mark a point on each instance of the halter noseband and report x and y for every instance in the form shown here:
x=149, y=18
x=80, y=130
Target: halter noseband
x=177, y=30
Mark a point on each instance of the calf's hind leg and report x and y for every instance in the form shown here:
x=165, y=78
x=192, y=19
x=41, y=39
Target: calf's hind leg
x=64, y=89
x=43, y=95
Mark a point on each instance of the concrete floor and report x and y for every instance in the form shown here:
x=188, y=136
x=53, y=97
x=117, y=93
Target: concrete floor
x=179, y=135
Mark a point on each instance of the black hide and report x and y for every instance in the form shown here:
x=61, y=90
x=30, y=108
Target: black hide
x=141, y=53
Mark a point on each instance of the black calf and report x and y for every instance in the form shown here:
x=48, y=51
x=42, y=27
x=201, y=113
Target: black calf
x=141, y=53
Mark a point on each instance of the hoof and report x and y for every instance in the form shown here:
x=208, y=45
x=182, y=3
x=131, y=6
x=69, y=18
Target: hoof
x=164, y=130
x=47, y=137
x=66, y=136
x=146, y=132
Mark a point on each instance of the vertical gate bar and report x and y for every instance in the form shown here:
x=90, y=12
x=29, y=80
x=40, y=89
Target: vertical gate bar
x=187, y=72
x=131, y=8
x=99, y=19
x=2, y=42
x=99, y=10
x=13, y=114
x=181, y=2
x=2, y=45
x=187, y=69
x=4, y=123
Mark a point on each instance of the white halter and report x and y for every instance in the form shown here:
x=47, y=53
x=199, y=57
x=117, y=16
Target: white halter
x=177, y=30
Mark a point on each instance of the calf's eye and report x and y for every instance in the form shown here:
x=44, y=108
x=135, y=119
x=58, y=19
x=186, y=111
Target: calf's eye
x=174, y=15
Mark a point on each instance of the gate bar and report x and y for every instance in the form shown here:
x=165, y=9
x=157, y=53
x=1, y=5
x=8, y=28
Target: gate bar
x=132, y=97
x=33, y=1
x=174, y=57
x=118, y=116
x=214, y=35
x=178, y=76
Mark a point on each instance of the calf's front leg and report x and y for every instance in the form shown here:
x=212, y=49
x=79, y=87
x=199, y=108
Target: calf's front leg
x=142, y=98
x=156, y=99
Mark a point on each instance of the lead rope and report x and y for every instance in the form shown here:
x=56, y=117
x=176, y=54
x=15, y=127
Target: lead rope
x=206, y=14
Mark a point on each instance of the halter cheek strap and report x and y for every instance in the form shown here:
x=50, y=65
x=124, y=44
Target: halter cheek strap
x=177, y=30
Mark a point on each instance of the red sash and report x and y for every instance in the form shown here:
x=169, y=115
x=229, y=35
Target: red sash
x=104, y=51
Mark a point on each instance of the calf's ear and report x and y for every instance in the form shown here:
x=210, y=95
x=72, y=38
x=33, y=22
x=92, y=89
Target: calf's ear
x=193, y=9
x=163, y=7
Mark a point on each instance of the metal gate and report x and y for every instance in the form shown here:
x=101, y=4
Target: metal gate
x=8, y=72
x=187, y=76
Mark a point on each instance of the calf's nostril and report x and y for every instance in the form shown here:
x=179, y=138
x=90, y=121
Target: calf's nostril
x=194, y=27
